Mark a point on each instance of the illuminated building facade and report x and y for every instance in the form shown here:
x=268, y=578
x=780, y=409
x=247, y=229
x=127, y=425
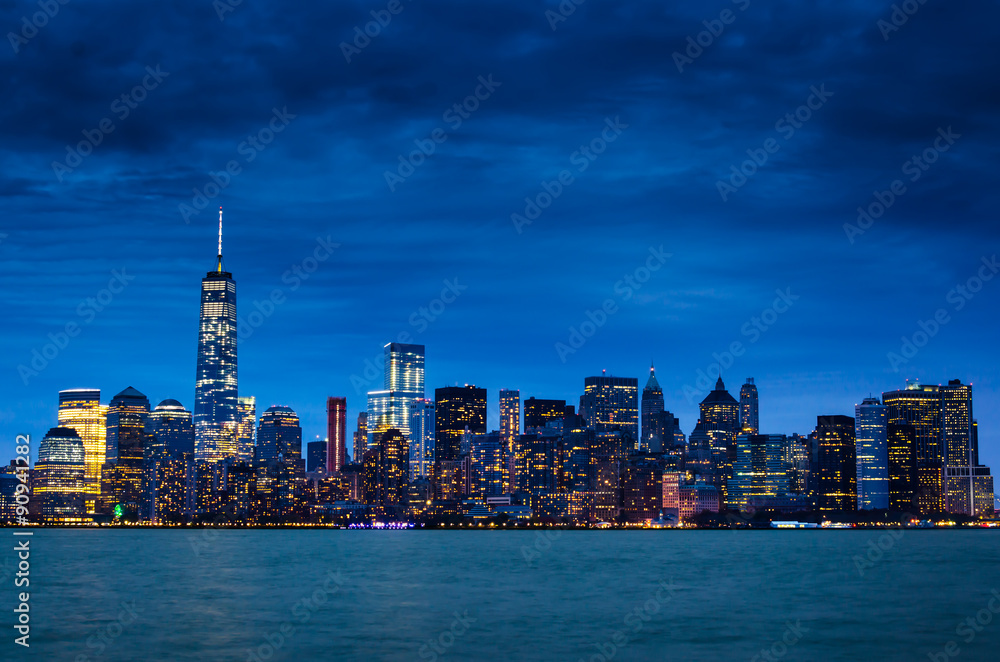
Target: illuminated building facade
x=403, y=383
x=124, y=479
x=488, y=466
x=316, y=455
x=246, y=427
x=538, y=413
x=59, y=476
x=837, y=465
x=360, y=443
x=922, y=407
x=386, y=475
x=173, y=495
x=81, y=410
x=612, y=405
x=902, y=444
x=537, y=463
x=872, y=449
x=651, y=406
x=749, y=408
x=216, y=407
x=421, y=438
x=698, y=498
x=510, y=428
x=969, y=491
x=956, y=423
x=336, y=434
x=759, y=470
x=455, y=409
x=279, y=436
x=642, y=489
x=171, y=432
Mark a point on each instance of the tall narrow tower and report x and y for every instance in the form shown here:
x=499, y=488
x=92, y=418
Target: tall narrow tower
x=215, y=391
x=749, y=415
x=651, y=405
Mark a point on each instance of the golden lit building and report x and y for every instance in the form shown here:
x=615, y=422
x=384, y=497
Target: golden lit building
x=80, y=409
x=58, y=477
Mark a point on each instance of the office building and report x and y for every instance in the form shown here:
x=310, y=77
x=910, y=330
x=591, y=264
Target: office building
x=759, y=471
x=360, y=443
x=421, y=438
x=651, y=406
x=872, y=448
x=837, y=465
x=246, y=428
x=170, y=430
x=510, y=428
x=59, y=476
x=538, y=413
x=403, y=383
x=215, y=397
x=749, y=414
x=81, y=410
x=316, y=456
x=902, y=446
x=611, y=405
x=456, y=408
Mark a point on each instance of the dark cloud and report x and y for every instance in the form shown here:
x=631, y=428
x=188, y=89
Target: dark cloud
x=324, y=175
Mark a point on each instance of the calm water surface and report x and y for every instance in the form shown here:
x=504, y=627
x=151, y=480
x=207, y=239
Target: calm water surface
x=453, y=595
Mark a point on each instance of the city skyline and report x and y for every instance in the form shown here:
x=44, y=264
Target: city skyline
x=356, y=263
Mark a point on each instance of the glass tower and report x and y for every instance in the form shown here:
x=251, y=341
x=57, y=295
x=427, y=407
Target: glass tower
x=403, y=383
x=246, y=427
x=612, y=404
x=58, y=481
x=872, y=455
x=171, y=432
x=421, y=438
x=81, y=410
x=215, y=396
x=510, y=428
x=455, y=409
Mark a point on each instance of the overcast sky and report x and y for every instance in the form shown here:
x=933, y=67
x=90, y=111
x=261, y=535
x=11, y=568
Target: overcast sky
x=609, y=117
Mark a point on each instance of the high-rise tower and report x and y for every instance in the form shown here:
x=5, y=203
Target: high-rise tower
x=81, y=410
x=872, y=450
x=215, y=395
x=336, y=434
x=749, y=415
x=651, y=405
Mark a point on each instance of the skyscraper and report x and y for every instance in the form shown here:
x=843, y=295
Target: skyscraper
x=316, y=455
x=612, y=405
x=537, y=413
x=126, y=423
x=872, y=449
x=403, y=383
x=171, y=432
x=652, y=404
x=922, y=406
x=421, y=438
x=360, y=443
x=336, y=434
x=81, y=410
x=720, y=420
x=124, y=479
x=759, y=470
x=58, y=479
x=956, y=402
x=510, y=428
x=902, y=443
x=246, y=427
x=489, y=465
x=279, y=435
x=455, y=409
x=838, y=474
x=215, y=395
x=749, y=415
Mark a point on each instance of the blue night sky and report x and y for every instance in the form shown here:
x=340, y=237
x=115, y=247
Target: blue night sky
x=184, y=93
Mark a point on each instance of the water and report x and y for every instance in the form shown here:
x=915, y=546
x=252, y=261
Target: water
x=454, y=595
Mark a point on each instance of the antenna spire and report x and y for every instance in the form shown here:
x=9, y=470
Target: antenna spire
x=220, y=240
